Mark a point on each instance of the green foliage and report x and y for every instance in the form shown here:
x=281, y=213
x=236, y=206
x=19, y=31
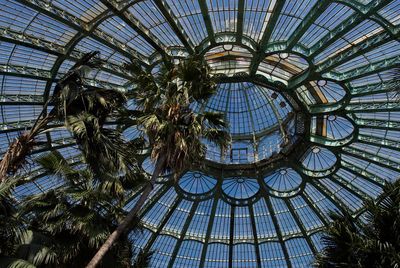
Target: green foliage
x=64, y=99
x=374, y=242
x=10, y=227
x=64, y=226
x=174, y=130
x=142, y=260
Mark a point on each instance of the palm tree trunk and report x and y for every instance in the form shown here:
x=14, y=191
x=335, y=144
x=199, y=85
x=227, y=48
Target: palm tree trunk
x=123, y=226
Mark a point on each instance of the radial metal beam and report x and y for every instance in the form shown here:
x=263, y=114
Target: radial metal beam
x=374, y=88
x=40, y=74
x=379, y=141
x=387, y=25
x=6, y=127
x=210, y=226
x=278, y=231
x=18, y=99
x=314, y=208
x=31, y=41
x=135, y=24
x=25, y=72
x=378, y=124
x=255, y=236
x=301, y=226
x=365, y=70
x=330, y=196
x=150, y=203
x=163, y=221
x=240, y=19
x=54, y=12
x=231, y=235
x=368, y=107
x=353, y=51
x=182, y=234
x=83, y=28
x=21, y=38
x=276, y=12
x=309, y=19
x=361, y=172
x=369, y=157
x=207, y=20
x=346, y=26
x=364, y=8
x=349, y=187
x=175, y=25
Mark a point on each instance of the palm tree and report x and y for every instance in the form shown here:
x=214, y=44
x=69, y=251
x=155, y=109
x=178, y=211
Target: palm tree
x=142, y=260
x=84, y=110
x=65, y=92
x=173, y=128
x=374, y=242
x=67, y=224
x=20, y=247
x=10, y=225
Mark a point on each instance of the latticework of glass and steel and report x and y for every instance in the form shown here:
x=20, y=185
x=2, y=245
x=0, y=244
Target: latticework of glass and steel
x=306, y=85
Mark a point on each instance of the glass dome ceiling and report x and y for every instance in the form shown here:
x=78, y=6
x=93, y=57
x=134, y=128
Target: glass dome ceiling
x=330, y=62
x=259, y=121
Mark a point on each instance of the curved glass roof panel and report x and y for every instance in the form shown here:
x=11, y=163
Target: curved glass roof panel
x=250, y=109
x=306, y=85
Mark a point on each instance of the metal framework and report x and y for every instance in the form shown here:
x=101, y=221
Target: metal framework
x=319, y=71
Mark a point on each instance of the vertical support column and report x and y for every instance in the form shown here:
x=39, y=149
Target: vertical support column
x=232, y=233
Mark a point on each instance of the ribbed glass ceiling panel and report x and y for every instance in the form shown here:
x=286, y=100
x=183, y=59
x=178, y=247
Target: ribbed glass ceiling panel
x=391, y=12
x=223, y=15
x=152, y=18
x=16, y=55
x=257, y=14
x=191, y=19
x=308, y=93
x=126, y=35
x=248, y=107
x=362, y=31
x=86, y=10
x=292, y=14
x=326, y=22
x=89, y=44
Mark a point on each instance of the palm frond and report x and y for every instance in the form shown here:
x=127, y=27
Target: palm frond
x=216, y=120
x=374, y=242
x=15, y=156
x=55, y=164
x=7, y=262
x=222, y=138
x=143, y=259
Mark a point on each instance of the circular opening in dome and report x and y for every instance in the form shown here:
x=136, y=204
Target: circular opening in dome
x=316, y=150
x=228, y=47
x=284, y=55
x=332, y=117
x=240, y=180
x=283, y=171
x=322, y=83
x=196, y=175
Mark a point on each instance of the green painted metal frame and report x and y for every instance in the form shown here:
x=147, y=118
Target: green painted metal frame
x=326, y=67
